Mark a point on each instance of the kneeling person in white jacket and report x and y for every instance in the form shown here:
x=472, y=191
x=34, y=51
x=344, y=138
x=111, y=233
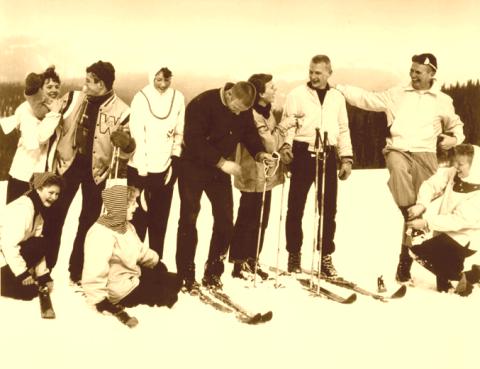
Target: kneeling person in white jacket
x=22, y=246
x=456, y=226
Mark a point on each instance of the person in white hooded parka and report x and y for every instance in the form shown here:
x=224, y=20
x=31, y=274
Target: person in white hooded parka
x=456, y=226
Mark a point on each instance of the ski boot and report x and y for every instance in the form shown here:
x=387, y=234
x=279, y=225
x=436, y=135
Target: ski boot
x=241, y=271
x=467, y=280
x=327, y=269
x=261, y=273
x=294, y=262
x=212, y=281
x=443, y=284
x=404, y=265
x=190, y=286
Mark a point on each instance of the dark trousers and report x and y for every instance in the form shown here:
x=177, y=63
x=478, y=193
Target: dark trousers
x=32, y=251
x=78, y=175
x=245, y=232
x=218, y=188
x=159, y=199
x=443, y=256
x=303, y=175
x=16, y=188
x=157, y=287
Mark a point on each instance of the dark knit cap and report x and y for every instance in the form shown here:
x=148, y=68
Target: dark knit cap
x=426, y=59
x=104, y=71
x=33, y=83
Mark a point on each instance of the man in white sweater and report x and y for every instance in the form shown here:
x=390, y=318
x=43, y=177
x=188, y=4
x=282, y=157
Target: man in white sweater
x=417, y=114
x=156, y=124
x=323, y=110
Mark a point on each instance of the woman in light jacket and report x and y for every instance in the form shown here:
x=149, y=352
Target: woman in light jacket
x=119, y=270
x=37, y=119
x=156, y=124
x=22, y=246
x=456, y=227
x=243, y=248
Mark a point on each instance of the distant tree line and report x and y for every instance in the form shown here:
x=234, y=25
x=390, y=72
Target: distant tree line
x=368, y=129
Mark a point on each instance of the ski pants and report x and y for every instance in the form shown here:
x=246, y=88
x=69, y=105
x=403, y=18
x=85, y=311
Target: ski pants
x=32, y=251
x=218, y=188
x=78, y=175
x=155, y=219
x=303, y=175
x=157, y=287
x=443, y=256
x=407, y=171
x=247, y=224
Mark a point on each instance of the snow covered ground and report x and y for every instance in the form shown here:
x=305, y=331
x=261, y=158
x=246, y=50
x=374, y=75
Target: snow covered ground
x=423, y=330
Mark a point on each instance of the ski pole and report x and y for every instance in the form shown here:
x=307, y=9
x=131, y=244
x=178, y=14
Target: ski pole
x=267, y=175
x=279, y=233
x=315, y=225
x=113, y=171
x=322, y=207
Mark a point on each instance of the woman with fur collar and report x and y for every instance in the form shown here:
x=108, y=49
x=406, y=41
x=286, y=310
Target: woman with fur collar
x=456, y=226
x=22, y=246
x=119, y=270
x=251, y=182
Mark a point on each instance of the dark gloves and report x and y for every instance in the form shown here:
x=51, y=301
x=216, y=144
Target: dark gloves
x=286, y=154
x=123, y=141
x=172, y=171
x=118, y=312
x=106, y=305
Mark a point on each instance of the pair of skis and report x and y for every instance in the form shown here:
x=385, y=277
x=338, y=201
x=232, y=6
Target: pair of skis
x=399, y=293
x=220, y=301
x=322, y=291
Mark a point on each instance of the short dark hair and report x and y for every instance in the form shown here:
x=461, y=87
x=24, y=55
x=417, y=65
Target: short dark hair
x=259, y=81
x=426, y=59
x=104, y=71
x=245, y=92
x=54, y=180
x=464, y=150
x=51, y=74
x=317, y=59
x=132, y=194
x=167, y=73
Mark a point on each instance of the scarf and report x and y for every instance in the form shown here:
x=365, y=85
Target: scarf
x=115, y=201
x=263, y=110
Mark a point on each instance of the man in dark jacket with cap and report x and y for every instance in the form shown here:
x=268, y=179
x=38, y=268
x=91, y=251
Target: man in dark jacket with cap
x=95, y=121
x=418, y=115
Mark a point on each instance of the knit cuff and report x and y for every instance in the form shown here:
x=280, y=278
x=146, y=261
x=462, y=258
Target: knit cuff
x=220, y=163
x=347, y=159
x=44, y=279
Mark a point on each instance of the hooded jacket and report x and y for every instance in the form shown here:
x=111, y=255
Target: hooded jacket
x=459, y=213
x=113, y=252
x=156, y=124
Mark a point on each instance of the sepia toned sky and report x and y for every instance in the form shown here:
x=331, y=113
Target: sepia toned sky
x=237, y=37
